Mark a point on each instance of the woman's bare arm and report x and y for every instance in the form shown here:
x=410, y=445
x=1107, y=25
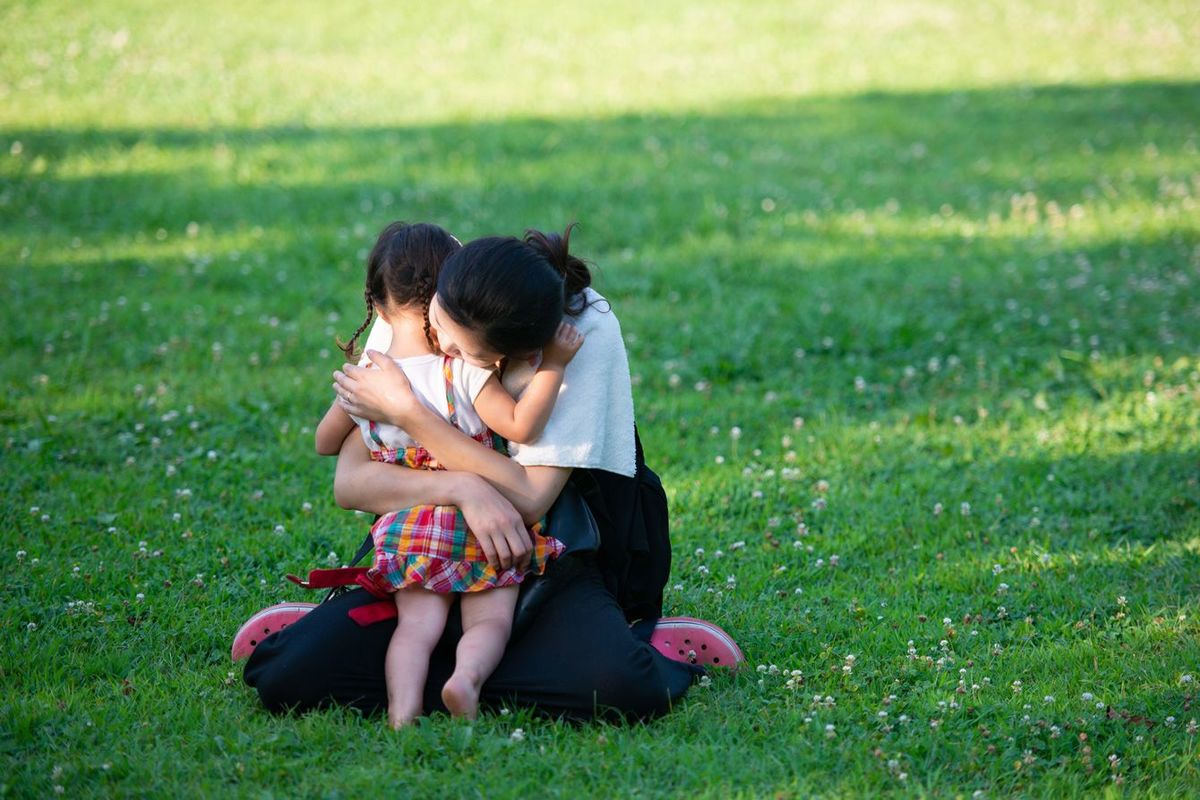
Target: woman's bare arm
x=380, y=488
x=371, y=486
x=385, y=394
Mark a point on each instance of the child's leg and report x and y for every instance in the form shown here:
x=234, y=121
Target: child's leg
x=487, y=622
x=422, y=618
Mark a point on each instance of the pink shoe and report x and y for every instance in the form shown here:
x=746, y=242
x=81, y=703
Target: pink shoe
x=695, y=641
x=263, y=624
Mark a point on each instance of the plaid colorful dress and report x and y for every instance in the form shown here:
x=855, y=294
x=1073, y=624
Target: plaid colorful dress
x=431, y=546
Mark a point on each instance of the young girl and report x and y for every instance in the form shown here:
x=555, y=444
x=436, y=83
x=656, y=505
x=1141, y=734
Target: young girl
x=426, y=554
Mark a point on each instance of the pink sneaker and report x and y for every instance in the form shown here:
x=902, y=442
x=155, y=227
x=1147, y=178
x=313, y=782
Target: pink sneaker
x=695, y=641
x=263, y=624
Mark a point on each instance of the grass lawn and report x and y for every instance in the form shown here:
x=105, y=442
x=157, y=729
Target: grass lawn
x=911, y=292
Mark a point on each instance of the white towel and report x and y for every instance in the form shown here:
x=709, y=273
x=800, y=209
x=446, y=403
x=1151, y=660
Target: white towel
x=592, y=423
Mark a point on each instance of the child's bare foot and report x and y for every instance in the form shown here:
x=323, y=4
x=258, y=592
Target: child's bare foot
x=461, y=696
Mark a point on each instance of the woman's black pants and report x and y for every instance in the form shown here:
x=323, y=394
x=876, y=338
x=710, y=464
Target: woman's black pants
x=578, y=658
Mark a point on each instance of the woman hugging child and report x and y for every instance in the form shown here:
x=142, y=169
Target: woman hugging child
x=426, y=555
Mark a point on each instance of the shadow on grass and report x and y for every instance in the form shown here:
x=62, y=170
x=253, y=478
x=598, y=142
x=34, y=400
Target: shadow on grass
x=729, y=241
x=651, y=178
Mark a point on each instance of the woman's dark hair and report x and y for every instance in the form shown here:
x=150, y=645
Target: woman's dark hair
x=402, y=270
x=514, y=292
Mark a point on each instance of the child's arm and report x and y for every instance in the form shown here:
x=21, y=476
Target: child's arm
x=522, y=421
x=332, y=431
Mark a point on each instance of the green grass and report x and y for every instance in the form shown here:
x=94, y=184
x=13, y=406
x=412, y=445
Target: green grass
x=916, y=253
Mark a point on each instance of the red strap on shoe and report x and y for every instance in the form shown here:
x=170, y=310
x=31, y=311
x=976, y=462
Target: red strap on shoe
x=329, y=578
x=371, y=613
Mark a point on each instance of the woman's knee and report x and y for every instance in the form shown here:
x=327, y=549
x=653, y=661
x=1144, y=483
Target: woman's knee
x=280, y=685
x=631, y=684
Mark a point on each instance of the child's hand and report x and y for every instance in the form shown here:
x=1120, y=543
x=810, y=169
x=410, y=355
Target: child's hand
x=563, y=347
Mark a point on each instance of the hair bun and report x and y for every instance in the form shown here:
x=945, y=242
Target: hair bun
x=555, y=248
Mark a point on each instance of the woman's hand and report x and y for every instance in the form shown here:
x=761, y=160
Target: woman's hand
x=495, y=523
x=382, y=394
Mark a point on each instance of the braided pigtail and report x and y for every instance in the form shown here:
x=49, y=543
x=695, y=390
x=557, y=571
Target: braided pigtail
x=426, y=285
x=350, y=348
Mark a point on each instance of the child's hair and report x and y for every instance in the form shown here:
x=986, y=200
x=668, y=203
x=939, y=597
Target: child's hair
x=403, y=270
x=514, y=292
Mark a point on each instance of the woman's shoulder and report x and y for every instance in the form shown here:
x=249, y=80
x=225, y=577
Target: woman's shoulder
x=597, y=315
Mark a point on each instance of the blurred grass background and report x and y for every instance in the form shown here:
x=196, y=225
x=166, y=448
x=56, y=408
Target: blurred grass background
x=873, y=262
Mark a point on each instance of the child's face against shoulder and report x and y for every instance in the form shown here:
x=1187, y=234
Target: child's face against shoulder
x=458, y=342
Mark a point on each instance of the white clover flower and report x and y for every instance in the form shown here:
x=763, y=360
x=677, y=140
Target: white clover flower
x=518, y=735
x=1087, y=697
x=937, y=509
x=965, y=509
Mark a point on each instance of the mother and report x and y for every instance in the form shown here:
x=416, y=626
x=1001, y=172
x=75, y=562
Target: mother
x=578, y=655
